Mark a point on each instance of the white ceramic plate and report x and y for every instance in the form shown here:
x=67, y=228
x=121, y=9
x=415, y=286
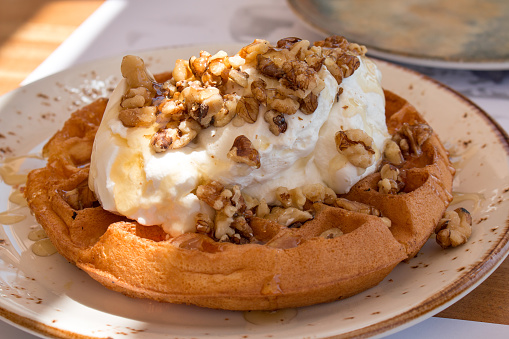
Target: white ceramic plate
x=435, y=33
x=49, y=296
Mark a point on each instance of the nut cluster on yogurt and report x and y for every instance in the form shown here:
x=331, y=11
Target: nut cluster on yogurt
x=219, y=142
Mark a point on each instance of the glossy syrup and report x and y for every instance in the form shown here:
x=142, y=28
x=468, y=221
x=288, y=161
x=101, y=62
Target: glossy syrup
x=11, y=175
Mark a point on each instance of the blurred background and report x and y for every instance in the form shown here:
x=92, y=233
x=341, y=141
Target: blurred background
x=30, y=30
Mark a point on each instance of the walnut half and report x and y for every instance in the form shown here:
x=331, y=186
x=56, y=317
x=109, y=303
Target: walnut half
x=454, y=228
x=242, y=151
x=356, y=145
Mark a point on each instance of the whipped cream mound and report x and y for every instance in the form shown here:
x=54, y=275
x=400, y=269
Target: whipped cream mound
x=159, y=188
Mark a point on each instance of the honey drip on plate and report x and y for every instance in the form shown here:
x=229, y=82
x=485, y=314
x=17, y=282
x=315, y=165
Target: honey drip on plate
x=9, y=169
x=43, y=248
x=282, y=316
x=18, y=198
x=36, y=235
x=477, y=198
x=11, y=217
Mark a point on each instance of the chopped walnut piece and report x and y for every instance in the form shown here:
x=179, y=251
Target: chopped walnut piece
x=211, y=193
x=137, y=117
x=288, y=216
x=251, y=51
x=356, y=206
x=454, y=228
x=240, y=78
x=298, y=75
x=204, y=223
x=268, y=67
x=176, y=135
x=80, y=197
x=309, y=104
x=198, y=65
x=173, y=110
x=410, y=138
x=242, y=151
x=287, y=43
x=202, y=103
x=331, y=233
x=258, y=89
x=277, y=122
x=391, y=182
x=181, y=71
x=134, y=71
x=278, y=101
x=240, y=224
x=356, y=145
x=228, y=111
x=248, y=109
x=392, y=153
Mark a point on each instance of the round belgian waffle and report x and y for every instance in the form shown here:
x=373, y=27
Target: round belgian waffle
x=285, y=267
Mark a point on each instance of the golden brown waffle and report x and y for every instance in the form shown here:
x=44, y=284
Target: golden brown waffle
x=285, y=267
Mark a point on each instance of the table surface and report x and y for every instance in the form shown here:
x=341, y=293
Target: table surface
x=30, y=33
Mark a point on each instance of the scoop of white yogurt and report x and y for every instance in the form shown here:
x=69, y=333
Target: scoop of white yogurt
x=159, y=188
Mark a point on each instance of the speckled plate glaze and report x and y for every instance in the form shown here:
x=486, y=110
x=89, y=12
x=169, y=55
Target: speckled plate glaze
x=50, y=297
x=472, y=34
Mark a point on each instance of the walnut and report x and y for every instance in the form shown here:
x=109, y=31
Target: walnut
x=299, y=196
x=218, y=70
x=134, y=71
x=356, y=145
x=173, y=110
x=410, y=138
x=288, y=216
x=334, y=69
x=258, y=90
x=287, y=42
x=348, y=64
x=392, y=153
x=240, y=224
x=181, y=71
x=309, y=104
x=198, y=65
x=331, y=233
x=242, y=151
x=334, y=41
x=277, y=122
x=251, y=51
x=231, y=211
x=202, y=103
x=454, y=228
x=278, y=101
x=319, y=193
x=203, y=223
x=80, y=197
x=391, y=182
x=212, y=194
x=298, y=75
x=240, y=78
x=176, y=135
x=268, y=67
x=136, y=97
x=227, y=111
x=355, y=206
x=138, y=117
x=248, y=109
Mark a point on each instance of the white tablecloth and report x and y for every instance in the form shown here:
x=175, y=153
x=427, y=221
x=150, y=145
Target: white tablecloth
x=119, y=27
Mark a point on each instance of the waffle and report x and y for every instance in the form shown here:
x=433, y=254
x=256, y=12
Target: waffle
x=284, y=267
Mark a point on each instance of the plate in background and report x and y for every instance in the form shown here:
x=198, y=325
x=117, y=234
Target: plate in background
x=472, y=34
